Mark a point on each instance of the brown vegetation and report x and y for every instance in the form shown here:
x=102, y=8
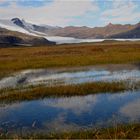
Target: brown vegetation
x=15, y=59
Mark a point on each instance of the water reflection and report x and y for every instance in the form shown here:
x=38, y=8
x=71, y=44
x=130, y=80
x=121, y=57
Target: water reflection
x=74, y=113
x=132, y=110
x=53, y=78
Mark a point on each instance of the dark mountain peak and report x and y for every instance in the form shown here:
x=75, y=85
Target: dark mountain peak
x=18, y=22
x=138, y=24
x=110, y=25
x=8, y=37
x=15, y=18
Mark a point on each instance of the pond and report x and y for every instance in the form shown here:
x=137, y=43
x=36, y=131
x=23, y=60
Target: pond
x=53, y=77
x=70, y=113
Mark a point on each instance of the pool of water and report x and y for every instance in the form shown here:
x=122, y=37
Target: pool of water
x=70, y=113
x=67, y=77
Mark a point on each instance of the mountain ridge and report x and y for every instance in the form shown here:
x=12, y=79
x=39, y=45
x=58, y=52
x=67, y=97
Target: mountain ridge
x=109, y=31
x=8, y=37
x=92, y=33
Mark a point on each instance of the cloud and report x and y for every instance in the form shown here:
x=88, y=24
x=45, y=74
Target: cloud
x=60, y=124
x=121, y=12
x=58, y=12
x=4, y=3
x=72, y=12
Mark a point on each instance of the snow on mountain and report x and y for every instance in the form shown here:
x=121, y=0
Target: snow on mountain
x=32, y=28
x=10, y=25
x=22, y=26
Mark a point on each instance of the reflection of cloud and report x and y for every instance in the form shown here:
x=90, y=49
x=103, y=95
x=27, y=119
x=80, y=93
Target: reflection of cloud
x=68, y=77
x=6, y=110
x=132, y=110
x=77, y=104
x=121, y=95
x=60, y=124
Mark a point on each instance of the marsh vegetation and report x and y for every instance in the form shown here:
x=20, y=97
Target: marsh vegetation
x=52, y=92
x=15, y=59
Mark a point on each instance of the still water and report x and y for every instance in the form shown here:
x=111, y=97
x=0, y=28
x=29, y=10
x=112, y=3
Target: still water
x=70, y=113
x=129, y=74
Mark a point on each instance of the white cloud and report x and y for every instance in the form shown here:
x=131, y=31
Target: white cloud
x=59, y=12
x=121, y=12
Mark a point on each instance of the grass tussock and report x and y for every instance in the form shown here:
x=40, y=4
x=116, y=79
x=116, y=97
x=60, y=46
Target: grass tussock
x=119, y=132
x=129, y=131
x=15, y=59
x=58, y=91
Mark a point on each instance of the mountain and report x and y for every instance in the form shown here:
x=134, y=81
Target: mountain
x=12, y=26
x=18, y=38
x=32, y=28
x=134, y=33
x=16, y=31
x=45, y=31
x=19, y=25
x=94, y=33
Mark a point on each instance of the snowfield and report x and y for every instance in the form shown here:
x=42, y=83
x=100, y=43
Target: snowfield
x=8, y=24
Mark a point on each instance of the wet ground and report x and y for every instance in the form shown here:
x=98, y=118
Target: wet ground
x=71, y=113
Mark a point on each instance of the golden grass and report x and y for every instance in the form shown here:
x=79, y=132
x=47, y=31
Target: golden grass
x=14, y=59
x=118, y=132
x=128, y=131
x=31, y=93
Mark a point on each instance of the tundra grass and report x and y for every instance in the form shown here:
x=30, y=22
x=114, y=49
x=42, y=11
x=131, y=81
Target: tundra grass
x=84, y=54
x=59, y=91
x=126, y=131
x=129, y=131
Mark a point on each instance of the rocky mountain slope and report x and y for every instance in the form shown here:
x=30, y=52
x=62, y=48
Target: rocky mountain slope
x=18, y=38
x=41, y=31
x=86, y=32
x=134, y=33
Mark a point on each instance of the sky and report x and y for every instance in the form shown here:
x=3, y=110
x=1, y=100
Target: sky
x=72, y=12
